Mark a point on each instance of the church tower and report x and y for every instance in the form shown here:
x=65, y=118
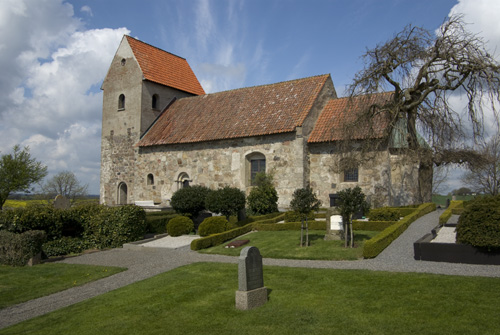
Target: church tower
x=141, y=81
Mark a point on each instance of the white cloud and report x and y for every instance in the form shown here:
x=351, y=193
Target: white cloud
x=87, y=10
x=53, y=71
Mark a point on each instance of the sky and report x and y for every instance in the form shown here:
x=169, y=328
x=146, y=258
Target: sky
x=54, y=55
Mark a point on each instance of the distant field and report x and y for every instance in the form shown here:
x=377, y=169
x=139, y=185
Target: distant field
x=23, y=203
x=441, y=199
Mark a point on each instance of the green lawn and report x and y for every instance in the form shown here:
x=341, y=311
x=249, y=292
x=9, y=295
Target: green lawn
x=286, y=244
x=19, y=284
x=200, y=299
x=441, y=199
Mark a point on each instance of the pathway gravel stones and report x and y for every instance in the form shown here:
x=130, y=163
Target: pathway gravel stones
x=145, y=262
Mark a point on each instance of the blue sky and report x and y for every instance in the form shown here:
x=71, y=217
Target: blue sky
x=54, y=55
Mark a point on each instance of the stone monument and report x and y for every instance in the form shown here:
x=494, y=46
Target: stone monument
x=334, y=225
x=251, y=291
x=61, y=202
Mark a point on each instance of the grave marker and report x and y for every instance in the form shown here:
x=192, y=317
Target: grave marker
x=251, y=291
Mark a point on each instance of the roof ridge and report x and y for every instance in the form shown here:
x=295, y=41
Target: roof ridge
x=168, y=52
x=264, y=85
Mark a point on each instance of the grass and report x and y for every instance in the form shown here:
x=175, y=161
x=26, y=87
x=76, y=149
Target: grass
x=286, y=244
x=441, y=199
x=200, y=299
x=23, y=203
x=19, y=284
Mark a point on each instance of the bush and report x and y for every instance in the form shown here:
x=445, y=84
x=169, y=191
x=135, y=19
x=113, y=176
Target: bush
x=263, y=199
x=216, y=239
x=36, y=217
x=180, y=225
x=189, y=200
x=17, y=249
x=479, y=224
x=293, y=216
x=114, y=226
x=226, y=201
x=65, y=246
x=384, y=214
x=213, y=225
x=157, y=224
x=446, y=215
x=262, y=226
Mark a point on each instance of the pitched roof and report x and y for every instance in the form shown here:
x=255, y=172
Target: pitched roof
x=165, y=68
x=245, y=112
x=343, y=112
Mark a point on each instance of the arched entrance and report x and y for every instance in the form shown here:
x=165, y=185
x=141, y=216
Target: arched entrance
x=183, y=180
x=122, y=194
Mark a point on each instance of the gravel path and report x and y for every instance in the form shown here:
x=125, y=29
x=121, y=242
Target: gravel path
x=145, y=262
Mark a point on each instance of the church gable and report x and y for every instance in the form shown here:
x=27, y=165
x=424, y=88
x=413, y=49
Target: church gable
x=247, y=112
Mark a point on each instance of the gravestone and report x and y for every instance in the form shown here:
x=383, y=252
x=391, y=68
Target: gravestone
x=251, y=291
x=60, y=202
x=334, y=225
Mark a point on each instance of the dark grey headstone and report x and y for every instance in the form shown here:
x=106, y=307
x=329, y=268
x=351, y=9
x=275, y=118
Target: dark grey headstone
x=250, y=274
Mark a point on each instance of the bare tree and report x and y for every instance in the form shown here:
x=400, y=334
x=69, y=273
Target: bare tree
x=65, y=183
x=484, y=176
x=439, y=177
x=423, y=70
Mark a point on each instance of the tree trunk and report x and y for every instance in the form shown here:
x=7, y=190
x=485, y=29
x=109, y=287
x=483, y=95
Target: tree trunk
x=346, y=232
x=351, y=232
x=307, y=233
x=411, y=127
x=302, y=233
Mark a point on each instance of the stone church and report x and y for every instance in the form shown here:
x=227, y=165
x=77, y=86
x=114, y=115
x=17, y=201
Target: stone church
x=161, y=132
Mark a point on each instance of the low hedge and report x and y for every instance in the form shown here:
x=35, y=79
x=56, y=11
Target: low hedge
x=216, y=239
x=384, y=214
x=446, y=215
x=371, y=225
x=312, y=225
x=157, y=224
x=17, y=249
x=292, y=216
x=65, y=246
x=272, y=218
x=378, y=243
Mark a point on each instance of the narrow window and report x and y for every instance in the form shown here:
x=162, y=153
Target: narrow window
x=122, y=194
x=151, y=179
x=121, y=101
x=256, y=164
x=351, y=175
x=155, y=101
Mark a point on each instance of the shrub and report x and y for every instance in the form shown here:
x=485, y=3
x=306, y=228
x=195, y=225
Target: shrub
x=446, y=215
x=263, y=199
x=36, y=217
x=65, y=246
x=479, y=224
x=213, y=225
x=189, y=200
x=293, y=216
x=384, y=214
x=226, y=201
x=263, y=226
x=180, y=225
x=157, y=224
x=216, y=239
x=17, y=249
x=114, y=226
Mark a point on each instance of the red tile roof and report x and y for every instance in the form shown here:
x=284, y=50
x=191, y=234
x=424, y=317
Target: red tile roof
x=343, y=112
x=165, y=68
x=245, y=112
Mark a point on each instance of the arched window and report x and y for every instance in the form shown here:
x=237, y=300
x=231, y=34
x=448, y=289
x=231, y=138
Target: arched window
x=256, y=163
x=121, y=101
x=183, y=180
x=122, y=194
x=155, y=101
x=151, y=179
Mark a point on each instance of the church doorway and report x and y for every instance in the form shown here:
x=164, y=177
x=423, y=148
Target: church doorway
x=183, y=180
x=122, y=194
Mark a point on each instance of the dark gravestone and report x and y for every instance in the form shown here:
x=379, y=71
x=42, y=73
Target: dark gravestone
x=251, y=291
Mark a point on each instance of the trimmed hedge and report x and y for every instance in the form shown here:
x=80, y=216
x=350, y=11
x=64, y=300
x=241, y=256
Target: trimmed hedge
x=272, y=218
x=216, y=239
x=157, y=224
x=65, y=246
x=378, y=243
x=446, y=215
x=17, y=249
x=293, y=216
x=371, y=225
x=384, y=214
x=312, y=225
x=180, y=225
